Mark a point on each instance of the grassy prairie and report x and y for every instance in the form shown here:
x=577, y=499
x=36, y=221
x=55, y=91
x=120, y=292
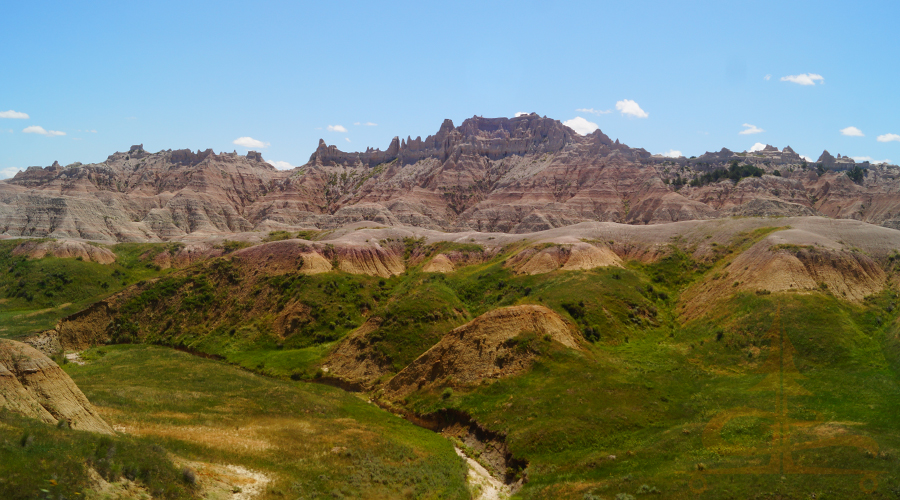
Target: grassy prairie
x=314, y=440
x=40, y=461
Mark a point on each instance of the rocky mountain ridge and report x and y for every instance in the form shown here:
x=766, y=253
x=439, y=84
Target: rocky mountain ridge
x=517, y=175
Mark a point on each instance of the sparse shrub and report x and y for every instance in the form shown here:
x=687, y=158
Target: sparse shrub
x=644, y=489
x=189, y=476
x=447, y=394
x=575, y=310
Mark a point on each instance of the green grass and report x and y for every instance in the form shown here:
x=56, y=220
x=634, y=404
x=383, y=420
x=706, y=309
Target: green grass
x=35, y=294
x=40, y=461
x=643, y=389
x=647, y=402
x=314, y=440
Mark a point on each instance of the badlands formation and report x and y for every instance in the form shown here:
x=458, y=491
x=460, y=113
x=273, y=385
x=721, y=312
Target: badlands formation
x=512, y=175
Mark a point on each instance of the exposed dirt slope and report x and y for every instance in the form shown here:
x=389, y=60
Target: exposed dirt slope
x=439, y=264
x=354, y=363
x=65, y=249
x=33, y=385
x=483, y=348
x=791, y=260
x=568, y=257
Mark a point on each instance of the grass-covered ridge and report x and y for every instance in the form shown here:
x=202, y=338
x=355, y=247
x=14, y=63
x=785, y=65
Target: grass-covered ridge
x=36, y=293
x=648, y=402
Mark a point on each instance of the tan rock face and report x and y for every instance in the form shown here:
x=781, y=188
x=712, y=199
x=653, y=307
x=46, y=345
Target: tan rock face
x=791, y=260
x=571, y=257
x=65, y=249
x=33, y=385
x=439, y=264
x=483, y=349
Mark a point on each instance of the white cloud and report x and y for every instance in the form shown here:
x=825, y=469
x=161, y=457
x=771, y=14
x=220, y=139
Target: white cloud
x=37, y=129
x=6, y=173
x=249, y=142
x=672, y=153
x=14, y=114
x=757, y=147
x=631, y=108
x=336, y=128
x=869, y=159
x=807, y=158
x=581, y=126
x=852, y=132
x=804, y=79
x=521, y=113
x=889, y=138
x=767, y=77
x=280, y=165
x=347, y=139
x=751, y=129
x=366, y=124
x=594, y=111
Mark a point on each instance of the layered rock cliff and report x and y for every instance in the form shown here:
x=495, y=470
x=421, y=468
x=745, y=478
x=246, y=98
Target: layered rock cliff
x=515, y=175
x=33, y=385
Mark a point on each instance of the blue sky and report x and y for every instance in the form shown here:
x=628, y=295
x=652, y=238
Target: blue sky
x=684, y=76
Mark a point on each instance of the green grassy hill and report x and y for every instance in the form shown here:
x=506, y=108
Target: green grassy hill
x=764, y=395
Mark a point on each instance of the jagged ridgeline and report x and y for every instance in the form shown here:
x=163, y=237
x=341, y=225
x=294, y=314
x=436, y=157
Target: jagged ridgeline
x=516, y=175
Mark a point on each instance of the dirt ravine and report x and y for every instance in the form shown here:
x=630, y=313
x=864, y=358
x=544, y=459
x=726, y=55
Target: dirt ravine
x=483, y=485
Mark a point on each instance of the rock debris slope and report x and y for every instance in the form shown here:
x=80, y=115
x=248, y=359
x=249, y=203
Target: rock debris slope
x=33, y=385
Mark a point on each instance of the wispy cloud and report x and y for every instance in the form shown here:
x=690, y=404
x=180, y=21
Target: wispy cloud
x=767, y=77
x=37, y=129
x=364, y=124
x=594, y=111
x=750, y=129
x=889, y=138
x=631, y=108
x=347, y=139
x=521, y=113
x=14, y=115
x=852, y=132
x=869, y=159
x=336, y=128
x=804, y=79
x=672, y=153
x=6, y=173
x=249, y=142
x=280, y=165
x=581, y=126
x=757, y=147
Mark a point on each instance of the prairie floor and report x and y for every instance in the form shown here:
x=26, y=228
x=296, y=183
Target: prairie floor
x=309, y=440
